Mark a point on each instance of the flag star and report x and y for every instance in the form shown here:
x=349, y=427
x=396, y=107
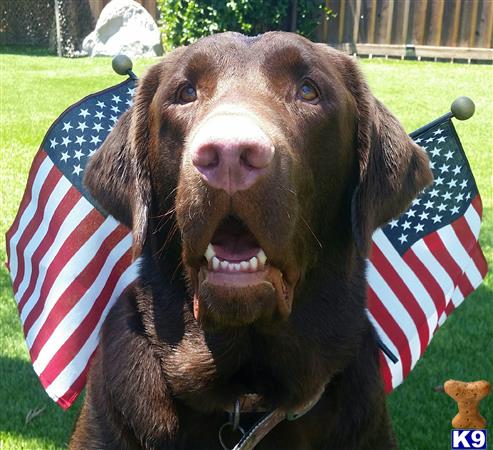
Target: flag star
x=100, y=104
x=411, y=213
x=406, y=225
x=418, y=227
x=449, y=155
x=428, y=204
x=78, y=154
x=129, y=102
x=80, y=140
x=99, y=115
x=66, y=141
x=447, y=196
x=429, y=140
x=418, y=140
x=114, y=119
x=468, y=196
x=393, y=223
x=77, y=169
x=115, y=109
x=67, y=126
x=454, y=210
x=434, y=193
x=95, y=140
x=91, y=152
x=440, y=139
x=452, y=183
x=442, y=207
x=65, y=156
x=403, y=238
x=424, y=147
x=116, y=99
x=459, y=197
x=110, y=128
x=82, y=126
x=439, y=131
x=416, y=201
x=131, y=91
x=97, y=127
x=435, y=151
x=53, y=143
x=423, y=216
x=456, y=170
x=436, y=218
x=439, y=181
x=84, y=113
x=432, y=164
x=444, y=168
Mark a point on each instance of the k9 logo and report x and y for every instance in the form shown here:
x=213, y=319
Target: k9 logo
x=465, y=439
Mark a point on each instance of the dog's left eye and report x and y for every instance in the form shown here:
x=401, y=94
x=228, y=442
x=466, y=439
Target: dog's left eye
x=187, y=94
x=308, y=92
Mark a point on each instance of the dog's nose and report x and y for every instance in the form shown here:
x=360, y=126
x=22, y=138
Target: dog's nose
x=231, y=152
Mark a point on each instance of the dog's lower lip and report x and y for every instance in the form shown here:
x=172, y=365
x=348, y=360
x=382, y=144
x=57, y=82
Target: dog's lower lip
x=237, y=279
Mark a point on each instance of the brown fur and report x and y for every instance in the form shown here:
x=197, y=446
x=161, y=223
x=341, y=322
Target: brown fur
x=342, y=167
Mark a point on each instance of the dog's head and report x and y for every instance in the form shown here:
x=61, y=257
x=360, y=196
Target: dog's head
x=271, y=157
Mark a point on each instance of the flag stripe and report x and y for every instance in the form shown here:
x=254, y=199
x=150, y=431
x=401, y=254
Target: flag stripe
x=385, y=373
x=28, y=212
x=460, y=256
x=34, y=229
x=76, y=216
x=429, y=282
x=385, y=318
x=37, y=300
x=67, y=203
x=55, y=359
x=32, y=239
x=405, y=296
x=72, y=267
x=63, y=382
x=80, y=291
x=26, y=198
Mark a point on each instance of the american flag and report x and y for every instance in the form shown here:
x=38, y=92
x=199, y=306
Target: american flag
x=424, y=263
x=69, y=261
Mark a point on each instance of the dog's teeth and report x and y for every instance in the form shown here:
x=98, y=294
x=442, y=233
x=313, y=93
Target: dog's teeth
x=261, y=257
x=236, y=267
x=224, y=265
x=244, y=266
x=215, y=263
x=231, y=267
x=253, y=264
x=209, y=253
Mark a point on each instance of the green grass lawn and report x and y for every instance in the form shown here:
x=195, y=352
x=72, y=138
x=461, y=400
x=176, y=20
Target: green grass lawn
x=34, y=90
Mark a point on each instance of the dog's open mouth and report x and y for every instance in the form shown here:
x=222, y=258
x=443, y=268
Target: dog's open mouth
x=236, y=271
x=234, y=256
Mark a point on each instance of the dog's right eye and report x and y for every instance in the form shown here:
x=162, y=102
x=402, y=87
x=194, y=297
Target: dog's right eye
x=187, y=94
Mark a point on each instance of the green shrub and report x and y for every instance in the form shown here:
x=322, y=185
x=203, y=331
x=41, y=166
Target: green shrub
x=183, y=22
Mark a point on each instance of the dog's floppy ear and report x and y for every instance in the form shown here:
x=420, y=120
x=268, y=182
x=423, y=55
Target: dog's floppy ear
x=392, y=168
x=117, y=175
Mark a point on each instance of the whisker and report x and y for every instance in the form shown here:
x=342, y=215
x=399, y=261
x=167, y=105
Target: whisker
x=311, y=231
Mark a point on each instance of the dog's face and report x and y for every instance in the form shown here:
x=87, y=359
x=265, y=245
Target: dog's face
x=271, y=157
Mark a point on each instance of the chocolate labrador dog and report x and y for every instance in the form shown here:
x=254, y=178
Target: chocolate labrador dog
x=252, y=172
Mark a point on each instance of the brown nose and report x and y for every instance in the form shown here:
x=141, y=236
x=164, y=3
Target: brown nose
x=231, y=152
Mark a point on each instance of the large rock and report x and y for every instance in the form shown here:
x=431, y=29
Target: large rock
x=126, y=27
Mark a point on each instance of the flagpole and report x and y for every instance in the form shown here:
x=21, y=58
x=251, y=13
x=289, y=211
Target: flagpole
x=122, y=65
x=462, y=108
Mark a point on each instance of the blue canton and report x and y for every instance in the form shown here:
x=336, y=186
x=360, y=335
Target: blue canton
x=83, y=127
x=446, y=199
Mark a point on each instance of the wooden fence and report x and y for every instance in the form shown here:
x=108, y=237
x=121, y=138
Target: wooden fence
x=419, y=28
